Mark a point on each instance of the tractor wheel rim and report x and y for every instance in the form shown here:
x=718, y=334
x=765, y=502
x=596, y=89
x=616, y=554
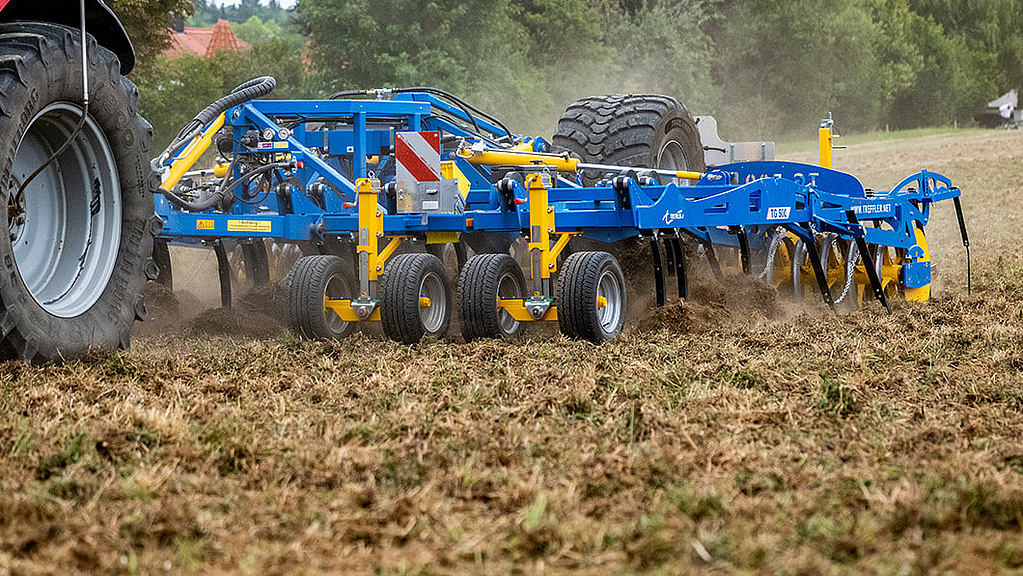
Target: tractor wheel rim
x=610, y=289
x=508, y=288
x=68, y=235
x=336, y=289
x=432, y=316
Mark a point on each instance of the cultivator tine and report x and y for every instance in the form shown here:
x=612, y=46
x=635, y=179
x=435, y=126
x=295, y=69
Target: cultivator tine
x=680, y=268
x=818, y=273
x=743, y=247
x=256, y=264
x=712, y=259
x=224, y=271
x=655, y=248
x=669, y=258
x=868, y=259
x=966, y=243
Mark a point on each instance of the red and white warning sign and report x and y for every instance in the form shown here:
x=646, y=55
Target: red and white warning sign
x=418, y=156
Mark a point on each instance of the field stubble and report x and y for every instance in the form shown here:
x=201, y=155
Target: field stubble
x=740, y=433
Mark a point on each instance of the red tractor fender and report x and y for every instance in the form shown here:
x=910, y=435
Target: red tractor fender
x=100, y=21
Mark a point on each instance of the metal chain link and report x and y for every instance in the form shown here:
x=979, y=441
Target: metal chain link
x=850, y=267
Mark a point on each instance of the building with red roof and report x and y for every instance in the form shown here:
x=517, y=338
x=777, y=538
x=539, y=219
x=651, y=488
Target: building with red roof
x=204, y=42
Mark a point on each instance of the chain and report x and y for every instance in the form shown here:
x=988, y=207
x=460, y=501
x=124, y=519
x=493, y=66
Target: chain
x=850, y=267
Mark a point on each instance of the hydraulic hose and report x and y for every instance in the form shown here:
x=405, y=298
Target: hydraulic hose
x=255, y=88
x=218, y=196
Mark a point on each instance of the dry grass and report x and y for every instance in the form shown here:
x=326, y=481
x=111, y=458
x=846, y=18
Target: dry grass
x=761, y=440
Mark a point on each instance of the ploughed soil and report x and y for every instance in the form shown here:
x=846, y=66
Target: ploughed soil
x=738, y=433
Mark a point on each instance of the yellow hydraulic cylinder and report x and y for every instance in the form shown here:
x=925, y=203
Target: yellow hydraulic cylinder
x=512, y=158
x=197, y=148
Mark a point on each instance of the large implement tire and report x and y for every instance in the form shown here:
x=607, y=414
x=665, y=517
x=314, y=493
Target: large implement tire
x=312, y=280
x=590, y=297
x=641, y=130
x=486, y=278
x=80, y=236
x=415, y=299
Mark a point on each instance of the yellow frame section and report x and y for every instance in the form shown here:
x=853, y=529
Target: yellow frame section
x=343, y=308
x=192, y=153
x=516, y=308
x=541, y=226
x=923, y=293
x=824, y=139
x=371, y=228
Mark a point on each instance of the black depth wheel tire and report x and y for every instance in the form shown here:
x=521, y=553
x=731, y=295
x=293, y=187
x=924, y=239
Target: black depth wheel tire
x=406, y=280
x=80, y=238
x=313, y=279
x=484, y=279
x=586, y=278
x=642, y=130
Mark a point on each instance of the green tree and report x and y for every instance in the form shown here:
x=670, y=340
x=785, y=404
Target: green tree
x=786, y=64
x=147, y=23
x=991, y=26
x=661, y=47
x=473, y=49
x=931, y=77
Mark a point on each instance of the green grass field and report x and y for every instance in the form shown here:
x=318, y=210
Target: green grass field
x=741, y=433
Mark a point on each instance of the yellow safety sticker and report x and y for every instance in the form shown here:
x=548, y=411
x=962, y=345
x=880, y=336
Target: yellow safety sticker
x=248, y=226
x=281, y=145
x=204, y=224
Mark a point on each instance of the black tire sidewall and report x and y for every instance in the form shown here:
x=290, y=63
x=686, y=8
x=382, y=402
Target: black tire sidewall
x=306, y=288
x=677, y=124
x=399, y=297
x=56, y=77
x=479, y=288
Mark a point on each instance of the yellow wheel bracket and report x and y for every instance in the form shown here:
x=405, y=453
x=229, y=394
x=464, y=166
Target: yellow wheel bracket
x=923, y=293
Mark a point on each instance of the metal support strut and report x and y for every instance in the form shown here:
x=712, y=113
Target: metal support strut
x=655, y=248
x=818, y=272
x=868, y=259
x=675, y=246
x=224, y=271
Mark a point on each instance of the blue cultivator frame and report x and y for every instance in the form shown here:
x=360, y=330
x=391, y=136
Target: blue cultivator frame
x=325, y=173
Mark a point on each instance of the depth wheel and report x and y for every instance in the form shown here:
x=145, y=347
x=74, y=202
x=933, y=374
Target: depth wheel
x=312, y=280
x=486, y=278
x=590, y=297
x=415, y=300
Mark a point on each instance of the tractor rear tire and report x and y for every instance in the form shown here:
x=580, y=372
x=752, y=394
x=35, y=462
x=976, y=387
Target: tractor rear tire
x=641, y=130
x=79, y=239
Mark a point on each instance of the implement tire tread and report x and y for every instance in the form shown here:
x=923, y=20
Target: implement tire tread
x=399, y=296
x=478, y=291
x=306, y=288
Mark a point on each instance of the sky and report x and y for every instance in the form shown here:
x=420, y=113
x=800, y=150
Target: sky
x=284, y=3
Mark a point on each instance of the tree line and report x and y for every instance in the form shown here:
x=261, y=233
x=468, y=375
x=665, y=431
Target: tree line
x=766, y=68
